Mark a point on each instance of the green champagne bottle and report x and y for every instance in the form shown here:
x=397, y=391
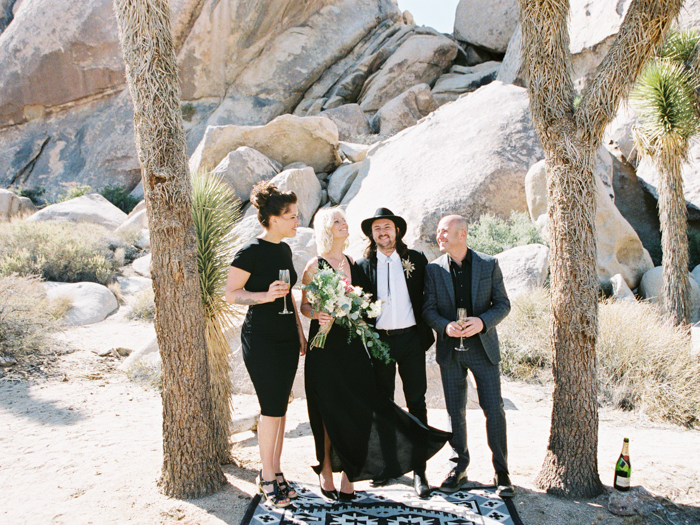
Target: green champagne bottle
x=623, y=468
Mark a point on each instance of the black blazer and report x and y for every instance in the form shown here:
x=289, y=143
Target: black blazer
x=368, y=277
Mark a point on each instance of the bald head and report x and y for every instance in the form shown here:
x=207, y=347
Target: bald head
x=452, y=236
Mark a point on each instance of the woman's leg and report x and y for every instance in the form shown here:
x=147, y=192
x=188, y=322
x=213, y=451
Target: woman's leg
x=346, y=485
x=268, y=428
x=279, y=441
x=326, y=475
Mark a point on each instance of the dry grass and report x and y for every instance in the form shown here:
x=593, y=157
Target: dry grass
x=644, y=363
x=62, y=252
x=26, y=315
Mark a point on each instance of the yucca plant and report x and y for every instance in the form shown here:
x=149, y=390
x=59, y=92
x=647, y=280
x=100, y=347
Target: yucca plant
x=665, y=98
x=215, y=211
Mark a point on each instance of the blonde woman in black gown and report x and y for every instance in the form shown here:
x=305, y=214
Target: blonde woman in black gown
x=355, y=431
x=271, y=342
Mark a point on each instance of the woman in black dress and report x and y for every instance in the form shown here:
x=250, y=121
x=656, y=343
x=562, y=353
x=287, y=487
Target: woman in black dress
x=355, y=430
x=271, y=341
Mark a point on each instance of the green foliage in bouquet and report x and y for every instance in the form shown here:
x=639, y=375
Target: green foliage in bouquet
x=329, y=291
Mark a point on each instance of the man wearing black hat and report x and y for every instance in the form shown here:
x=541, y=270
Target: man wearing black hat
x=394, y=274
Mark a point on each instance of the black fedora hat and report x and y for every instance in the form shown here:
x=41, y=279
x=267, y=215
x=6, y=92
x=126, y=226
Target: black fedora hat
x=384, y=213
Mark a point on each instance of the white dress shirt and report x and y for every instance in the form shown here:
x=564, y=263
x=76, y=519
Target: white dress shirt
x=397, y=311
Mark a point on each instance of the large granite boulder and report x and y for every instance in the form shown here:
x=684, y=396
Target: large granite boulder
x=419, y=60
x=477, y=147
x=649, y=174
x=304, y=183
x=462, y=79
x=92, y=208
x=524, y=268
x=275, y=52
x=340, y=181
x=485, y=23
x=350, y=120
x=404, y=110
x=243, y=168
x=287, y=139
x=92, y=143
x=651, y=288
x=619, y=249
x=619, y=133
x=13, y=206
x=91, y=302
x=65, y=110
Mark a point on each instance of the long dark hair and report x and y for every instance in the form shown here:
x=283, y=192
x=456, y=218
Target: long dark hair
x=401, y=248
x=270, y=201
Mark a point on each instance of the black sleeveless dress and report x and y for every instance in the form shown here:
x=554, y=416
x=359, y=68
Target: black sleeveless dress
x=371, y=437
x=270, y=341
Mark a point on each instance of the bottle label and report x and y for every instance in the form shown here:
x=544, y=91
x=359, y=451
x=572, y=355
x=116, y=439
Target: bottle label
x=622, y=481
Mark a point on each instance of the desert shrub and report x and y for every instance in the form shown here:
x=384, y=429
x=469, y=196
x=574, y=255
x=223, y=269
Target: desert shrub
x=188, y=111
x=524, y=337
x=64, y=252
x=142, y=306
x=119, y=196
x=26, y=315
x=492, y=235
x=33, y=194
x=644, y=363
x=75, y=191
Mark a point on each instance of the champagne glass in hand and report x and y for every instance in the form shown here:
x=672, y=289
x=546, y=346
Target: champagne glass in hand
x=461, y=318
x=284, y=276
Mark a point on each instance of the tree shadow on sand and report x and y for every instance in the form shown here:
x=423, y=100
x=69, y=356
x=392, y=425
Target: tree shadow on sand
x=16, y=398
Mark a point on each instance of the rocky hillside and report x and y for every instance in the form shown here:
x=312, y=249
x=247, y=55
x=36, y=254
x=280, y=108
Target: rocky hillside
x=345, y=101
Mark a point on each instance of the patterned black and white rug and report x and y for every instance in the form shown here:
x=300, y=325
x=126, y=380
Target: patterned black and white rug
x=387, y=506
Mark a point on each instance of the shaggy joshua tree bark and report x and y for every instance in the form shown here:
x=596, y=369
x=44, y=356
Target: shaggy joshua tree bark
x=190, y=466
x=570, y=137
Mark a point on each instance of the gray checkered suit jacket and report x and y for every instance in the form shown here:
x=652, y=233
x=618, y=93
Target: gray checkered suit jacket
x=489, y=302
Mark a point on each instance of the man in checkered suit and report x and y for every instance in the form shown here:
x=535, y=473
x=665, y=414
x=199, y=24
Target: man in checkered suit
x=463, y=278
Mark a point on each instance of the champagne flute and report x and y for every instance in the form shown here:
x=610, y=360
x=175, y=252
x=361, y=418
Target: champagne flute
x=284, y=276
x=461, y=318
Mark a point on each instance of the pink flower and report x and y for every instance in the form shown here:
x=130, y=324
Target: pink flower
x=348, y=286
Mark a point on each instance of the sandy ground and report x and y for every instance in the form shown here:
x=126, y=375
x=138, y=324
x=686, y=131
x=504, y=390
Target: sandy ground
x=81, y=444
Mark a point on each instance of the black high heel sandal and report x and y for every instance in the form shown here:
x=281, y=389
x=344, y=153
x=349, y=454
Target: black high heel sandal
x=276, y=497
x=346, y=496
x=285, y=487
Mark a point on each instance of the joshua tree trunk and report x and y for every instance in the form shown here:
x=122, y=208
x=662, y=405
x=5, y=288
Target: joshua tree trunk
x=190, y=466
x=674, y=240
x=570, y=138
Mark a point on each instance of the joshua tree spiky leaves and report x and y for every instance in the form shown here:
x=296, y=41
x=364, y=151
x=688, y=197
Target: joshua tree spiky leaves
x=190, y=466
x=665, y=96
x=570, y=137
x=215, y=211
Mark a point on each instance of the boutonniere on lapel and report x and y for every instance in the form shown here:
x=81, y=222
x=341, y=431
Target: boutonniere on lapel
x=407, y=267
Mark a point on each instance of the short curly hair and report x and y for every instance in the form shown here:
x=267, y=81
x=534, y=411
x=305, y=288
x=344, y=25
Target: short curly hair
x=323, y=221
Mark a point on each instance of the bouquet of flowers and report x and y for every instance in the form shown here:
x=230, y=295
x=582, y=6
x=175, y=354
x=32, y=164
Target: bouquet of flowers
x=329, y=291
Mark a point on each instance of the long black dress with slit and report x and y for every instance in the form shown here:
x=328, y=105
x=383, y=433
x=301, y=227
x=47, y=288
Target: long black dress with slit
x=371, y=437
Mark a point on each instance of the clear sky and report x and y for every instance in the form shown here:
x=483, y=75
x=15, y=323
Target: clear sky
x=438, y=14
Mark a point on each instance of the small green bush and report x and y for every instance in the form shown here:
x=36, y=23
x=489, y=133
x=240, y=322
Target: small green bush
x=119, y=196
x=33, y=194
x=142, y=306
x=75, y=191
x=188, y=111
x=644, y=363
x=26, y=315
x=492, y=235
x=63, y=252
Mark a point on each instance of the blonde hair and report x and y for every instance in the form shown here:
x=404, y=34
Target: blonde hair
x=323, y=221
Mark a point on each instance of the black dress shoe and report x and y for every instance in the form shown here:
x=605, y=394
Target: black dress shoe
x=378, y=483
x=454, y=481
x=504, y=488
x=420, y=484
x=345, y=496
